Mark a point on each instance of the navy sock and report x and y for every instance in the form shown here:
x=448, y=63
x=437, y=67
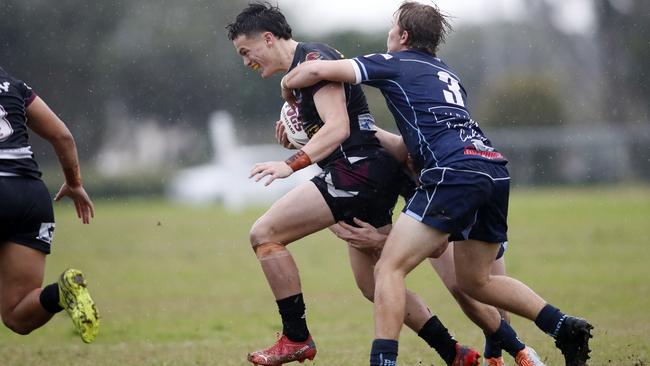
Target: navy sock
x=49, y=298
x=550, y=319
x=492, y=347
x=506, y=338
x=294, y=323
x=437, y=336
x=383, y=352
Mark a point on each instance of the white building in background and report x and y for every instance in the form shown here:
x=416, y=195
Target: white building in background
x=134, y=147
x=225, y=179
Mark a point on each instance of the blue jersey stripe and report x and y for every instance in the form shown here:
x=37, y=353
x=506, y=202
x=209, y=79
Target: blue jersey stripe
x=363, y=69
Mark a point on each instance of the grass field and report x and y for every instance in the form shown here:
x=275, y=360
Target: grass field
x=180, y=286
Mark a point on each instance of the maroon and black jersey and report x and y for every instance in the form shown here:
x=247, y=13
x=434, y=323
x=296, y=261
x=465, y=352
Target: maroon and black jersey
x=362, y=135
x=16, y=157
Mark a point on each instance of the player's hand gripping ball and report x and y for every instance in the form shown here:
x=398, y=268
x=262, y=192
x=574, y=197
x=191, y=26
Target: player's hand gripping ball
x=293, y=126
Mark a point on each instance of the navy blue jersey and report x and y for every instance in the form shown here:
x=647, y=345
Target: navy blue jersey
x=362, y=133
x=16, y=157
x=429, y=106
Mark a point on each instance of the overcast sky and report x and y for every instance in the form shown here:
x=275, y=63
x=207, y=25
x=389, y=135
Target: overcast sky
x=319, y=16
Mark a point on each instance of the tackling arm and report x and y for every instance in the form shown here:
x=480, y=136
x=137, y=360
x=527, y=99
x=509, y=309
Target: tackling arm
x=393, y=143
x=364, y=236
x=311, y=72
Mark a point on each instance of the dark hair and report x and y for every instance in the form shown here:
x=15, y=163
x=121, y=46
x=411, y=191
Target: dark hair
x=427, y=27
x=259, y=17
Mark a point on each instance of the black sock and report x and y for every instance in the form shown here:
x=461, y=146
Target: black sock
x=492, y=347
x=49, y=298
x=437, y=336
x=506, y=338
x=550, y=319
x=383, y=352
x=294, y=323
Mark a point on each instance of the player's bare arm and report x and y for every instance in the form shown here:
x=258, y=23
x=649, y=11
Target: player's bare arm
x=42, y=120
x=393, y=143
x=311, y=72
x=331, y=105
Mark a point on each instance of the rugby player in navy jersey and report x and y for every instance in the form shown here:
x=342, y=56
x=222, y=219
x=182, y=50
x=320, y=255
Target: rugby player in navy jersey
x=359, y=179
x=27, y=217
x=365, y=237
x=464, y=188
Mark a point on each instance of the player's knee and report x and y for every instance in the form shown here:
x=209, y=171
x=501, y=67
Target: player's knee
x=261, y=232
x=386, y=268
x=15, y=325
x=367, y=290
x=465, y=301
x=369, y=295
x=456, y=291
x=471, y=285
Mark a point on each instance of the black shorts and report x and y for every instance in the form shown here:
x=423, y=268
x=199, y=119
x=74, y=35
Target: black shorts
x=365, y=187
x=26, y=214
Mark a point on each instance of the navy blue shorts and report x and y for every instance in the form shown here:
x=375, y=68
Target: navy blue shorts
x=26, y=214
x=365, y=187
x=468, y=200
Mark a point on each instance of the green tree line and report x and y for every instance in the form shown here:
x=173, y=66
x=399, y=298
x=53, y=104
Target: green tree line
x=170, y=60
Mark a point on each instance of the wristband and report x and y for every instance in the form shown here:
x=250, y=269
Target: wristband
x=298, y=161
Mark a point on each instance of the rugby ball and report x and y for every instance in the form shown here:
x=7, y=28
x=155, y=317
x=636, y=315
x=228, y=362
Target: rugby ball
x=293, y=126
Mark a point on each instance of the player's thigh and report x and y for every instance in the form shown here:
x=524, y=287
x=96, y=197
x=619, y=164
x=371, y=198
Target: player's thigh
x=445, y=267
x=363, y=266
x=300, y=212
x=409, y=243
x=498, y=267
x=21, y=271
x=473, y=260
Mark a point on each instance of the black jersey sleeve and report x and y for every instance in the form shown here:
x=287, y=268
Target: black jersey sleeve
x=26, y=92
x=320, y=52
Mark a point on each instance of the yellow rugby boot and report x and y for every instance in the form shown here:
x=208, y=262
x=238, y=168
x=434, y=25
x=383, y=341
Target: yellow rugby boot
x=75, y=299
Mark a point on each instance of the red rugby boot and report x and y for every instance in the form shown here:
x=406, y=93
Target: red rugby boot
x=465, y=356
x=284, y=351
